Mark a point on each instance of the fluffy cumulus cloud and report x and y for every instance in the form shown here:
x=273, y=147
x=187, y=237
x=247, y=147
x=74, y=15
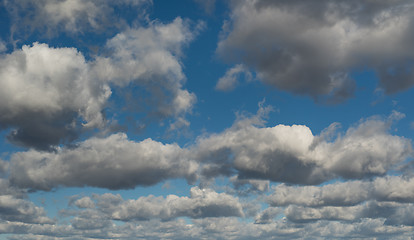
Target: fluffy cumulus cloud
x=113, y=162
x=44, y=91
x=292, y=154
x=47, y=92
x=309, y=47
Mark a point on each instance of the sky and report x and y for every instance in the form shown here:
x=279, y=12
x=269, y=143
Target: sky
x=206, y=119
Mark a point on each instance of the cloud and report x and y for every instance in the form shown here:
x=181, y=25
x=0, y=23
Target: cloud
x=113, y=162
x=150, y=59
x=208, y=5
x=248, y=186
x=85, y=202
x=218, y=228
x=267, y=215
x=71, y=16
x=310, y=47
x=292, y=154
x=3, y=46
x=15, y=207
x=48, y=93
x=389, y=188
x=43, y=93
x=394, y=214
x=202, y=203
x=21, y=210
x=230, y=79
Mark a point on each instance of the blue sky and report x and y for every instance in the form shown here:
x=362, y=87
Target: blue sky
x=192, y=119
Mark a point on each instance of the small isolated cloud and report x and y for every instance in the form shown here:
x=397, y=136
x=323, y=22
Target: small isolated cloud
x=230, y=79
x=309, y=47
x=113, y=162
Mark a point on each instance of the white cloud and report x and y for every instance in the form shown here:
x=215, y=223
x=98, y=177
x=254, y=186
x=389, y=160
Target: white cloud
x=42, y=92
x=45, y=91
x=230, y=78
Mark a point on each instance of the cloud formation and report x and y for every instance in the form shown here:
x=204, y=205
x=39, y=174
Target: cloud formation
x=310, y=47
x=48, y=94
x=43, y=92
x=149, y=57
x=390, y=188
x=113, y=162
x=202, y=203
x=292, y=154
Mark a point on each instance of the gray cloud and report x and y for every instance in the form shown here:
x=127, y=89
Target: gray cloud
x=113, y=162
x=230, y=79
x=150, y=59
x=248, y=186
x=50, y=95
x=391, y=213
x=202, y=203
x=16, y=207
x=267, y=215
x=292, y=154
x=390, y=188
x=42, y=92
x=309, y=47
x=217, y=228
